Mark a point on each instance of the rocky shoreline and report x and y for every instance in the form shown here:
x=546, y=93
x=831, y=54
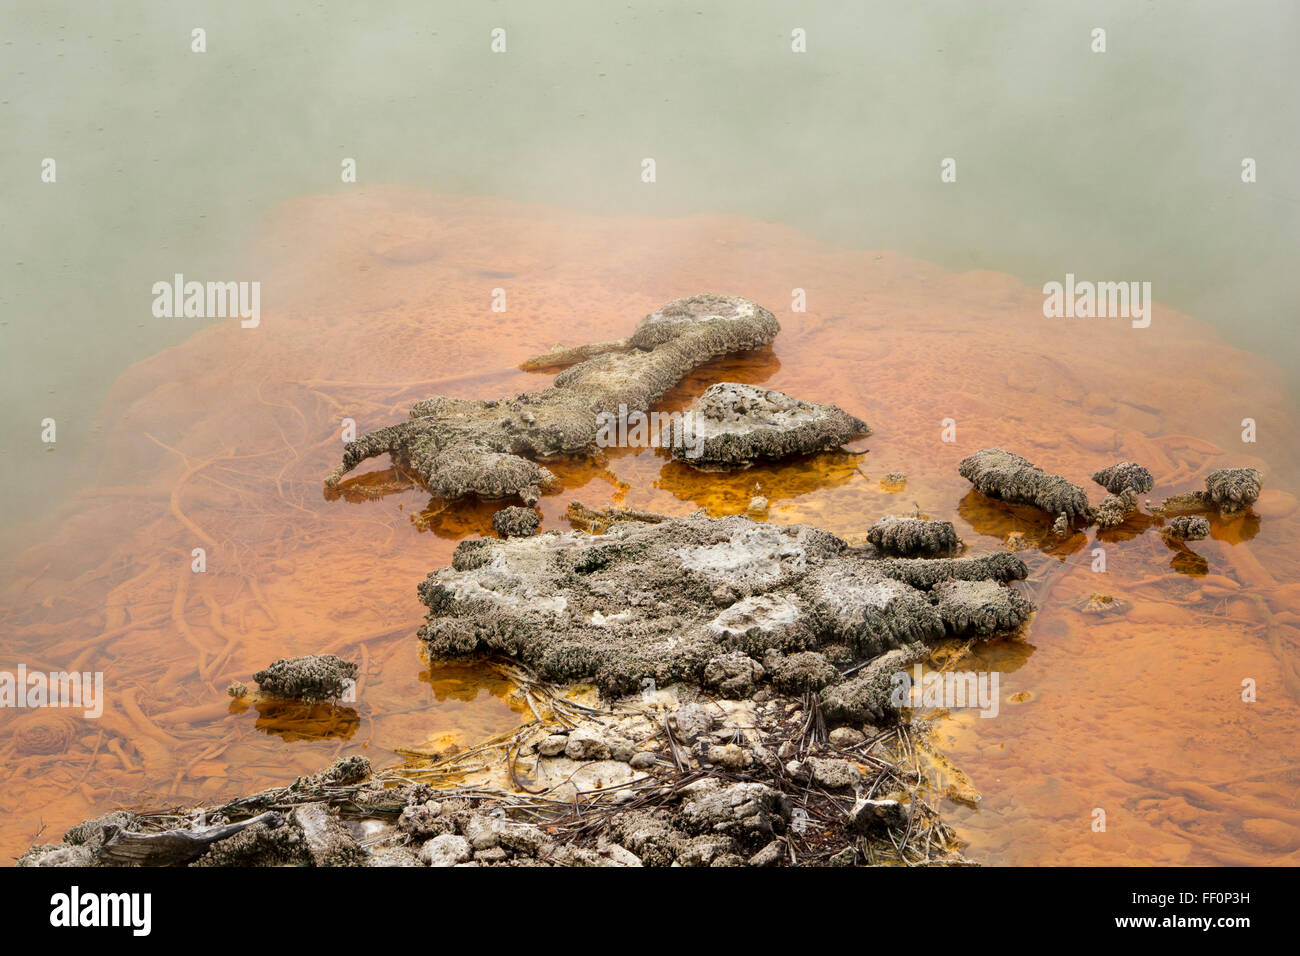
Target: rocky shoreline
x=653, y=780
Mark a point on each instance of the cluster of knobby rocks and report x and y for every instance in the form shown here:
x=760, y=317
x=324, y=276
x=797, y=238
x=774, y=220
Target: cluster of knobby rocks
x=718, y=602
x=1004, y=476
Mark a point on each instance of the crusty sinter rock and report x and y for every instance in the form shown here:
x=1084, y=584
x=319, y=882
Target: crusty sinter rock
x=1007, y=477
x=733, y=425
x=459, y=447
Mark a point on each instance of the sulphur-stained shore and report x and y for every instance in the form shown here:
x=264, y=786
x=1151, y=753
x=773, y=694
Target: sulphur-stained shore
x=373, y=302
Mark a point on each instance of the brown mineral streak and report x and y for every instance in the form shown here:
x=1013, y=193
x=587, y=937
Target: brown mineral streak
x=226, y=436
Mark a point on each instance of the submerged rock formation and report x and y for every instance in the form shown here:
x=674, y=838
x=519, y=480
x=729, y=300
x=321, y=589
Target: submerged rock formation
x=458, y=447
x=1006, y=477
x=733, y=425
x=665, y=601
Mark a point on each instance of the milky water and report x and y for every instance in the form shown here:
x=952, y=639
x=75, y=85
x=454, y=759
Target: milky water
x=775, y=171
x=1118, y=165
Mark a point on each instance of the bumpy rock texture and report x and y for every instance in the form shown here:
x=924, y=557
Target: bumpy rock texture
x=911, y=537
x=1124, y=476
x=1233, y=490
x=459, y=447
x=1188, y=528
x=924, y=574
x=1230, y=491
x=802, y=671
x=870, y=694
x=1115, y=508
x=733, y=425
x=979, y=608
x=733, y=675
x=669, y=601
x=516, y=522
x=311, y=678
x=1006, y=477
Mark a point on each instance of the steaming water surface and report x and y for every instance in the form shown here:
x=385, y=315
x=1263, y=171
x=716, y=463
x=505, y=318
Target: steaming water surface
x=1123, y=165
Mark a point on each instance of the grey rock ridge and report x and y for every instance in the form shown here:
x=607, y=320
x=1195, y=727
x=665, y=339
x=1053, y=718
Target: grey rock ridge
x=924, y=573
x=458, y=447
x=733, y=425
x=677, y=599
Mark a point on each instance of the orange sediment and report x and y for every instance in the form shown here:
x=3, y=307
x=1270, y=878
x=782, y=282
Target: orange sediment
x=221, y=443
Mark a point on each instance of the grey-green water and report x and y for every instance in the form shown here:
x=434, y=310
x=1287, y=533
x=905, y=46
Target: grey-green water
x=1118, y=165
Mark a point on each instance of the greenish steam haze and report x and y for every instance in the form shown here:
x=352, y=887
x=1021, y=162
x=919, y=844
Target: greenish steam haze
x=1120, y=166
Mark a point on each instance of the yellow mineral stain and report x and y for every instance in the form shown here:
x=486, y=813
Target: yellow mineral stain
x=376, y=299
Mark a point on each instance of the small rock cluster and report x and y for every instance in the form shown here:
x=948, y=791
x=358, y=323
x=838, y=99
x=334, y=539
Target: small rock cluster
x=314, y=677
x=1187, y=528
x=1003, y=476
